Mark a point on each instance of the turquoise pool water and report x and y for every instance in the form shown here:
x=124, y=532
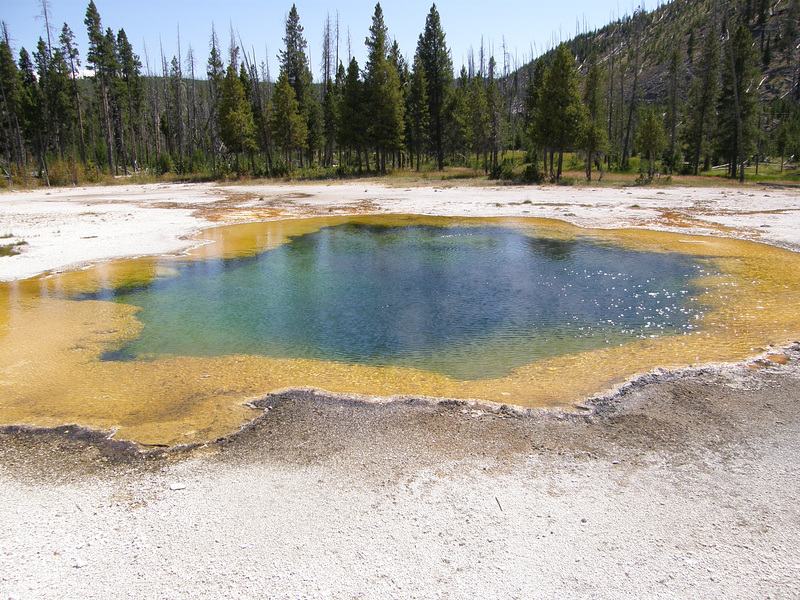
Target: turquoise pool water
x=471, y=302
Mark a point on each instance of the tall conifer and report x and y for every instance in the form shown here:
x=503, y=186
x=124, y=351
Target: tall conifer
x=700, y=110
x=382, y=88
x=437, y=66
x=294, y=64
x=559, y=109
x=100, y=59
x=236, y=126
x=594, y=138
x=288, y=126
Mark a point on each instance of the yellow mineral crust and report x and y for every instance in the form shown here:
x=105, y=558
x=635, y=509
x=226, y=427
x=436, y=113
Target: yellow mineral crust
x=51, y=374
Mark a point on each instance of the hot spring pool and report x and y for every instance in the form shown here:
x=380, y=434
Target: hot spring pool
x=534, y=313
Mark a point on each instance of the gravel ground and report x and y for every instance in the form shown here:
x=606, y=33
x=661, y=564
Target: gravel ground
x=682, y=485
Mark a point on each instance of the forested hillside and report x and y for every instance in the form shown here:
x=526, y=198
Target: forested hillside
x=693, y=85
x=680, y=61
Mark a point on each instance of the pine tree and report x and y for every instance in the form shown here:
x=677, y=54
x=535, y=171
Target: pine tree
x=288, y=126
x=437, y=67
x=175, y=108
x=99, y=56
x=634, y=89
x=398, y=61
x=418, y=121
x=493, y=107
x=478, y=117
x=116, y=98
x=33, y=112
x=11, y=95
x=594, y=138
x=215, y=72
x=294, y=64
x=700, y=112
x=533, y=95
x=71, y=54
x=59, y=100
x=330, y=107
x=332, y=111
x=236, y=126
x=44, y=122
x=456, y=119
x=352, y=113
x=130, y=69
x=559, y=111
x=737, y=100
x=10, y=85
x=672, y=112
x=382, y=89
x=650, y=138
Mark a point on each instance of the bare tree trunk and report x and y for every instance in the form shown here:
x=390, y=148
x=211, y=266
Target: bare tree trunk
x=10, y=133
x=629, y=127
x=74, y=178
x=737, y=108
x=610, y=101
x=589, y=159
x=107, y=124
x=673, y=98
x=78, y=107
x=180, y=105
x=43, y=161
x=8, y=164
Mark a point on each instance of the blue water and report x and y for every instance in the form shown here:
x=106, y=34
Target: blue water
x=469, y=302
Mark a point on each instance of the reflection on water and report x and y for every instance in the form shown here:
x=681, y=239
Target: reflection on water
x=518, y=311
x=468, y=302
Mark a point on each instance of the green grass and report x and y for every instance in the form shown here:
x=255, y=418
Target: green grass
x=11, y=249
x=470, y=173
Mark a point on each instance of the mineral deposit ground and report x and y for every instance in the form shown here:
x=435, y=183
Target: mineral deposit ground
x=678, y=484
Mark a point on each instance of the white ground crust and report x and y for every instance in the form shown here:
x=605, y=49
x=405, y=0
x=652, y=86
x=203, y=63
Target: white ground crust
x=65, y=227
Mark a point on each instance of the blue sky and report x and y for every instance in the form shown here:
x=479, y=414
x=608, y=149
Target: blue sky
x=527, y=26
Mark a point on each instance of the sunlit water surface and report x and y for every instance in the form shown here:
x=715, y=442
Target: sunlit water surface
x=467, y=302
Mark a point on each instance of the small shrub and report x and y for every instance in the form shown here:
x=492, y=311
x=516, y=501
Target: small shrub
x=280, y=169
x=198, y=161
x=502, y=171
x=61, y=172
x=575, y=162
x=532, y=175
x=531, y=156
x=163, y=164
x=91, y=172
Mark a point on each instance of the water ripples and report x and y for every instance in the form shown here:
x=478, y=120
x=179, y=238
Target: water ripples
x=469, y=302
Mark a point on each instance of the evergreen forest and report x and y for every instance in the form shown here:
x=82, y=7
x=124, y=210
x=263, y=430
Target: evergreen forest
x=694, y=87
